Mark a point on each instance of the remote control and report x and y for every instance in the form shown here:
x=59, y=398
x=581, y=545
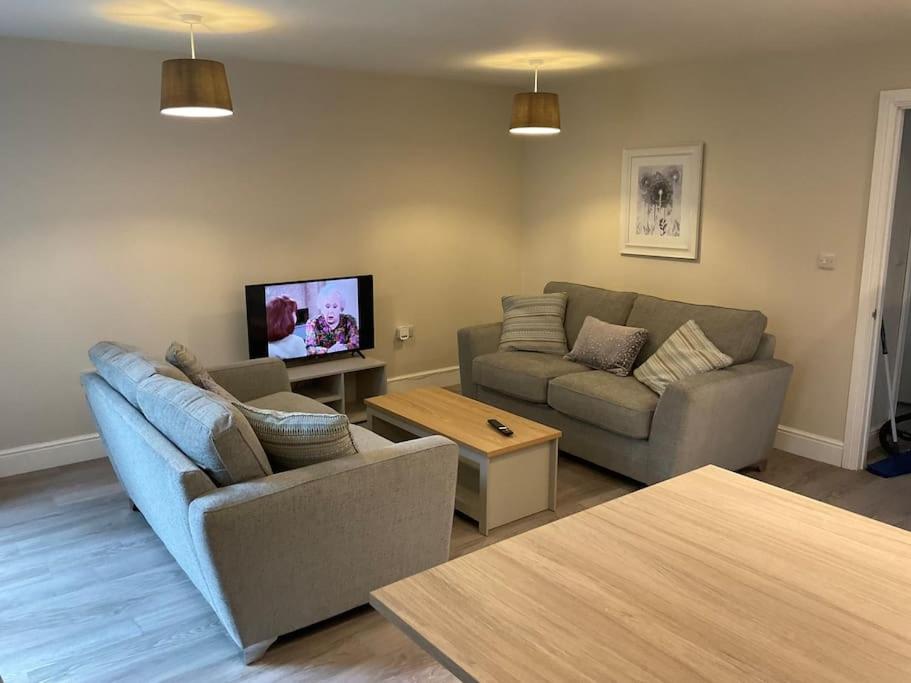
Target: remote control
x=500, y=427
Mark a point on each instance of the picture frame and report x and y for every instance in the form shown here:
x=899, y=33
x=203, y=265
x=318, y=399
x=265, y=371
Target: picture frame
x=660, y=202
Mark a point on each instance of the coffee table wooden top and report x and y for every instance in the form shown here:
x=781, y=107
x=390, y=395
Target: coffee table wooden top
x=462, y=419
x=709, y=576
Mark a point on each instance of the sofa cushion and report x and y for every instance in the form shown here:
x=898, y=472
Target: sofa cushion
x=608, y=347
x=534, y=323
x=521, y=374
x=184, y=359
x=687, y=352
x=735, y=332
x=622, y=405
x=124, y=367
x=294, y=439
x=206, y=428
x=582, y=301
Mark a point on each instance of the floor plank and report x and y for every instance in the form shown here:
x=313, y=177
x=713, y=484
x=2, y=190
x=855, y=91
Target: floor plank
x=90, y=594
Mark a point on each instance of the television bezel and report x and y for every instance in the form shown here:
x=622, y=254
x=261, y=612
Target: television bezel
x=257, y=340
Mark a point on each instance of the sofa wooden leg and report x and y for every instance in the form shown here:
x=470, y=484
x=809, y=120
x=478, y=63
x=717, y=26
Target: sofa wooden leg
x=761, y=465
x=255, y=652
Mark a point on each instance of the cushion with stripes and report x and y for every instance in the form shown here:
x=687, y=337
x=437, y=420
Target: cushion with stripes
x=534, y=323
x=687, y=352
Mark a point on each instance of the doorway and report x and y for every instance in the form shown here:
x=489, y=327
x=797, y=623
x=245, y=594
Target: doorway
x=885, y=289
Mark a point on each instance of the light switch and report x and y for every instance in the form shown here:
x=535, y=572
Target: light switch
x=825, y=261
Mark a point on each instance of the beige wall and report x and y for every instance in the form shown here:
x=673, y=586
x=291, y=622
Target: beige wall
x=788, y=158
x=117, y=223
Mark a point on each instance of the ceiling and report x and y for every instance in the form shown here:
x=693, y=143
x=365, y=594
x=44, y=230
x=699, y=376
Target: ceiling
x=469, y=39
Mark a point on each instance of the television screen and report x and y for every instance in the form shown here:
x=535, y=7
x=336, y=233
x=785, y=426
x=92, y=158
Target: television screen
x=310, y=318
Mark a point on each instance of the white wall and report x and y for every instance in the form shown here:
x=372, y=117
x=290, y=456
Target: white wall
x=118, y=223
x=788, y=159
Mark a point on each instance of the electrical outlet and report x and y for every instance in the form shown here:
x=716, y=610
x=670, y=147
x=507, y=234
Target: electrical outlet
x=825, y=261
x=404, y=332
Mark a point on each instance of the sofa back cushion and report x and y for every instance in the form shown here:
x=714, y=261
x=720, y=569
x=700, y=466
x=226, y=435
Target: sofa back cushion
x=124, y=367
x=735, y=332
x=207, y=429
x=582, y=301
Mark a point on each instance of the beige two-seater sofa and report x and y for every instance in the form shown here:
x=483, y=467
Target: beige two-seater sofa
x=727, y=417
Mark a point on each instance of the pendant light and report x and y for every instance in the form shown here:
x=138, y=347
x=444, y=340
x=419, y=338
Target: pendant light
x=535, y=113
x=195, y=88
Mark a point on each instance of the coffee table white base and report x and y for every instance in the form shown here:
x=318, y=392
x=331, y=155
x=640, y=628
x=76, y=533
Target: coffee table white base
x=498, y=490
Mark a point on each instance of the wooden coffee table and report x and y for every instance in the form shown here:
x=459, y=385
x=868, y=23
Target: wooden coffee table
x=711, y=576
x=501, y=479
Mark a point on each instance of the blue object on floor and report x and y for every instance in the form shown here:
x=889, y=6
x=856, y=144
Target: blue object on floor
x=892, y=466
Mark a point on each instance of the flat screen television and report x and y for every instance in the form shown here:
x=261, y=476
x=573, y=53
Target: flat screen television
x=310, y=319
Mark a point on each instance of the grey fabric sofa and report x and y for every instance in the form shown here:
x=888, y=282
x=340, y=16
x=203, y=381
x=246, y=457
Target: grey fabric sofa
x=278, y=553
x=728, y=417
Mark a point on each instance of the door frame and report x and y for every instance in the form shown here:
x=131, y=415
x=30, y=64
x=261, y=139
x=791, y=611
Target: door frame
x=886, y=155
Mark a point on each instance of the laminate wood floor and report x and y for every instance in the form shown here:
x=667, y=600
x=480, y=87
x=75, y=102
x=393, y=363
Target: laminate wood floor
x=88, y=593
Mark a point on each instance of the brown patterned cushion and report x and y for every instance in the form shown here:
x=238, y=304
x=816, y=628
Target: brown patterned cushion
x=687, y=352
x=608, y=347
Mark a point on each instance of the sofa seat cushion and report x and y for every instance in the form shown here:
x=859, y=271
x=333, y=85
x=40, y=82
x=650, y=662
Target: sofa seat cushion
x=622, y=405
x=521, y=374
x=289, y=402
x=735, y=332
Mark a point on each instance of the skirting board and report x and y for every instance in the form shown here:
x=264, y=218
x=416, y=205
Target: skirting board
x=441, y=377
x=42, y=456
x=812, y=446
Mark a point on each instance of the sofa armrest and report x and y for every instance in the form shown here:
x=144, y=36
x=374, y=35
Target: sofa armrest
x=727, y=417
x=473, y=342
x=288, y=550
x=250, y=379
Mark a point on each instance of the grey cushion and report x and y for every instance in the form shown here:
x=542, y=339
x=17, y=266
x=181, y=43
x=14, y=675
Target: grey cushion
x=183, y=358
x=124, y=367
x=206, y=428
x=534, y=323
x=294, y=439
x=735, y=332
x=582, y=300
x=608, y=347
x=290, y=402
x=522, y=374
x=622, y=405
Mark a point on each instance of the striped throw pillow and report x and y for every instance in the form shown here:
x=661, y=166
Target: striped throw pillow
x=687, y=352
x=293, y=440
x=534, y=323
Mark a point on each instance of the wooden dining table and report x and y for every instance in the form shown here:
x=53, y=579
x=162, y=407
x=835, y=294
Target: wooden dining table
x=710, y=576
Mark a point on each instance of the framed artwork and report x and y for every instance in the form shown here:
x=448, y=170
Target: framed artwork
x=661, y=194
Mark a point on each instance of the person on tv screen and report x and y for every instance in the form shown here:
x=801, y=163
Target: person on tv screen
x=281, y=318
x=331, y=329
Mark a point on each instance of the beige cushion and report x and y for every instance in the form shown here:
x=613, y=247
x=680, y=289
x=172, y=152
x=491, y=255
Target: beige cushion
x=182, y=357
x=608, y=347
x=293, y=440
x=124, y=367
x=622, y=405
x=205, y=427
x=534, y=323
x=687, y=352
x=521, y=374
x=733, y=331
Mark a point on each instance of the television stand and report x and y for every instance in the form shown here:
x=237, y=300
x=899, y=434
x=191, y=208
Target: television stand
x=341, y=384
